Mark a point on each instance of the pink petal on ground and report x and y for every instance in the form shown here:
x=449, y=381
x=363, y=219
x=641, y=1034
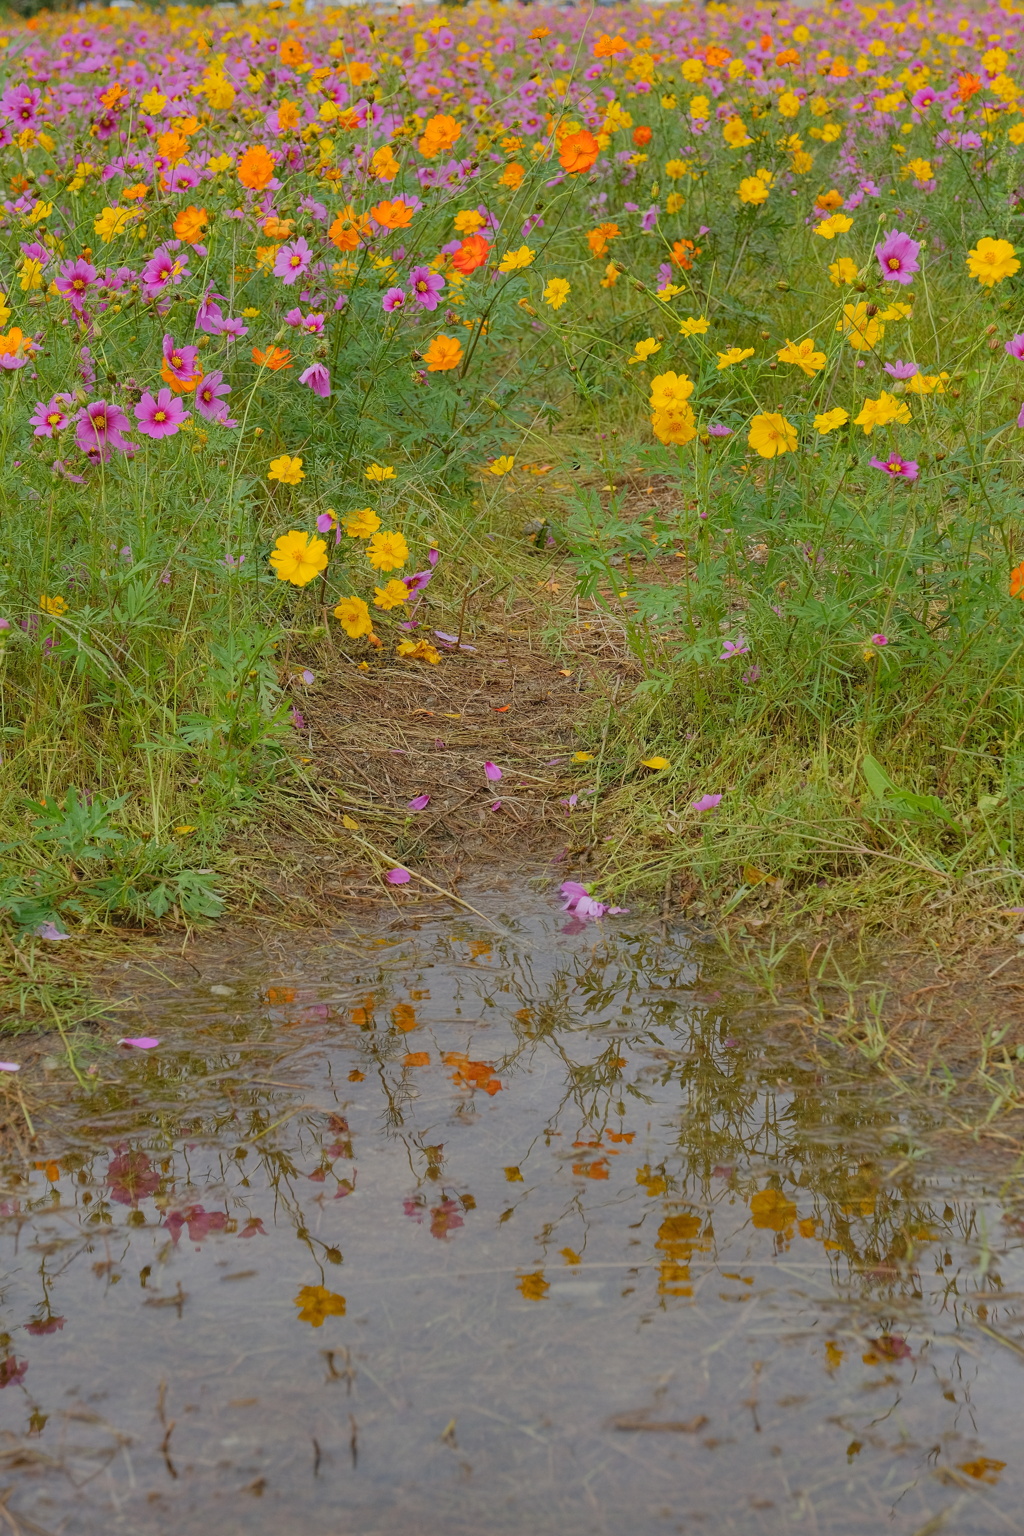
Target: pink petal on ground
x=492, y=772
x=398, y=877
x=706, y=802
x=140, y=1042
x=10, y=1066
x=420, y=803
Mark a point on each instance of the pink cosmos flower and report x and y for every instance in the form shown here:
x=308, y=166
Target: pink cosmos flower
x=162, y=269
x=181, y=361
x=292, y=261
x=706, y=803
x=209, y=315
x=20, y=105
x=313, y=325
x=898, y=370
x=923, y=98
x=318, y=377
x=1020, y=418
x=897, y=468
x=1015, y=346
x=160, y=416
x=897, y=257
x=209, y=396
x=393, y=299
x=426, y=286
x=732, y=648
x=98, y=428
x=879, y=639
x=50, y=417
x=74, y=279
x=328, y=522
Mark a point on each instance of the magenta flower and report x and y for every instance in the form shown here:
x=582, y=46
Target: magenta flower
x=897, y=257
x=209, y=315
x=716, y=429
x=923, y=98
x=426, y=286
x=51, y=417
x=731, y=648
x=292, y=261
x=20, y=105
x=1015, y=346
x=98, y=428
x=163, y=268
x=897, y=468
x=162, y=416
x=898, y=370
x=879, y=639
x=328, y=521
x=318, y=377
x=1020, y=418
x=706, y=803
x=180, y=361
x=74, y=279
x=209, y=396
x=393, y=299
x=419, y=580
x=313, y=325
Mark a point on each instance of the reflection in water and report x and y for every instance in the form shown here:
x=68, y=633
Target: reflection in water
x=444, y=1231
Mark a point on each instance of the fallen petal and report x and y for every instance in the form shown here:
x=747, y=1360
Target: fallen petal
x=398, y=877
x=492, y=772
x=420, y=803
x=140, y=1042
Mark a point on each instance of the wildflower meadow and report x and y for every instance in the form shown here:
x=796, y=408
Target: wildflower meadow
x=308, y=314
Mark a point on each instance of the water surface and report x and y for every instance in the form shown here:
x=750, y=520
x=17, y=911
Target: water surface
x=525, y=1229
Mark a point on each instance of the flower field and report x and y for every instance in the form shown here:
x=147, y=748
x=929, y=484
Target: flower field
x=305, y=312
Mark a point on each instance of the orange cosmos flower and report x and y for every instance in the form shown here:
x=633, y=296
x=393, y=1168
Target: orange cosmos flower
x=348, y=229
x=256, y=168
x=683, y=253
x=190, y=225
x=179, y=385
x=392, y=215
x=444, y=353
x=274, y=358
x=440, y=133
x=642, y=136
x=291, y=51
x=578, y=152
x=967, y=86
x=607, y=46
x=278, y=229
x=472, y=253
x=1017, y=580
x=172, y=146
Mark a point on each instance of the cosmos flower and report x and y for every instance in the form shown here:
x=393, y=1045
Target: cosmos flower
x=897, y=256
x=160, y=415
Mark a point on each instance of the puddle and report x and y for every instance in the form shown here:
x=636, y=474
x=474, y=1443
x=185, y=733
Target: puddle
x=439, y=1231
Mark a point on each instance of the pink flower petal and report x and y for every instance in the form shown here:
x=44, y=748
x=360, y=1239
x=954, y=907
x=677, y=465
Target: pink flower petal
x=10, y=1066
x=140, y=1042
x=420, y=803
x=706, y=802
x=398, y=877
x=492, y=772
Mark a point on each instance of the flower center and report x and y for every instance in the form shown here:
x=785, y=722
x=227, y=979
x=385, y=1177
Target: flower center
x=893, y=263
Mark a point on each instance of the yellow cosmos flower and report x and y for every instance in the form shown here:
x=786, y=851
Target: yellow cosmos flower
x=392, y=595
x=674, y=423
x=503, y=465
x=669, y=389
x=379, y=472
x=733, y=355
x=387, y=551
x=353, y=615
x=753, y=190
x=297, y=557
x=803, y=356
x=112, y=222
x=694, y=326
x=880, y=412
x=315, y=1303
x=734, y=132
x=838, y=224
x=515, y=261
x=828, y=421
x=842, y=271
x=360, y=524
x=556, y=292
x=287, y=469
x=861, y=329
x=992, y=260
x=53, y=605
x=643, y=350
x=418, y=650
x=771, y=434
